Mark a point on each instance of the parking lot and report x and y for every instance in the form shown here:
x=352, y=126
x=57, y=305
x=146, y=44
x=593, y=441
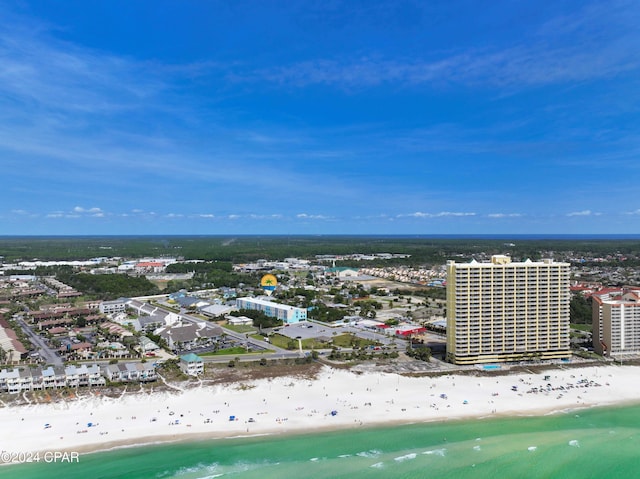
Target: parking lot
x=308, y=330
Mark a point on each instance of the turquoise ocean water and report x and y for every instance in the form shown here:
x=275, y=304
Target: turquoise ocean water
x=578, y=444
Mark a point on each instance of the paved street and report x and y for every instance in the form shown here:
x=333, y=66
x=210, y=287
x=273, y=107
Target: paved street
x=47, y=354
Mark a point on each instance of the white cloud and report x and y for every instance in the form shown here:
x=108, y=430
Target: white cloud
x=419, y=214
x=504, y=215
x=584, y=213
x=94, y=210
x=265, y=217
x=307, y=216
x=78, y=212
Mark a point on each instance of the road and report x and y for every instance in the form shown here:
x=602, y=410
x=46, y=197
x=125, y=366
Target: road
x=47, y=354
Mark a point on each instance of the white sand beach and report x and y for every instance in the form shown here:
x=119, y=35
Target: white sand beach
x=288, y=405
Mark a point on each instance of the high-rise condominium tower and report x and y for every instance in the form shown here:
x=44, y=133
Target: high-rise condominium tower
x=616, y=323
x=503, y=311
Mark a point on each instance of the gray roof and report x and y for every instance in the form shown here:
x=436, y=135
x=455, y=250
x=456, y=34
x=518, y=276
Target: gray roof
x=217, y=309
x=189, y=332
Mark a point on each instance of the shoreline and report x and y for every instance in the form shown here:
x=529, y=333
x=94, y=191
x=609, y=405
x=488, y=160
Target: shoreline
x=293, y=406
x=202, y=437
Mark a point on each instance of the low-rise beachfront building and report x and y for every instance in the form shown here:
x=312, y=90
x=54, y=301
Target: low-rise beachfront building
x=284, y=312
x=191, y=364
x=35, y=379
x=130, y=372
x=616, y=323
x=83, y=375
x=10, y=381
x=507, y=311
x=54, y=377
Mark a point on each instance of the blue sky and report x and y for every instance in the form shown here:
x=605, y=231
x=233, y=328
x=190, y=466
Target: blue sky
x=319, y=117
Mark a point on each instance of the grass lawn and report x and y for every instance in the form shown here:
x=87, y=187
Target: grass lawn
x=345, y=341
x=285, y=343
x=581, y=327
x=313, y=343
x=279, y=341
x=222, y=352
x=241, y=328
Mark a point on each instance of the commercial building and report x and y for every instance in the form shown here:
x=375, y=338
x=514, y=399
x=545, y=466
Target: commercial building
x=239, y=320
x=507, y=311
x=616, y=323
x=284, y=312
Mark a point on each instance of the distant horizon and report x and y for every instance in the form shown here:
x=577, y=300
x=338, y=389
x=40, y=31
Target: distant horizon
x=500, y=236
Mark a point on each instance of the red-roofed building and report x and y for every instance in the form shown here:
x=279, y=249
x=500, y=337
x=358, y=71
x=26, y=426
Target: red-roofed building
x=10, y=344
x=150, y=267
x=607, y=292
x=407, y=330
x=58, y=330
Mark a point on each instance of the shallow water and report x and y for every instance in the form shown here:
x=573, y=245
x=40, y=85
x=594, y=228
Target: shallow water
x=578, y=444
